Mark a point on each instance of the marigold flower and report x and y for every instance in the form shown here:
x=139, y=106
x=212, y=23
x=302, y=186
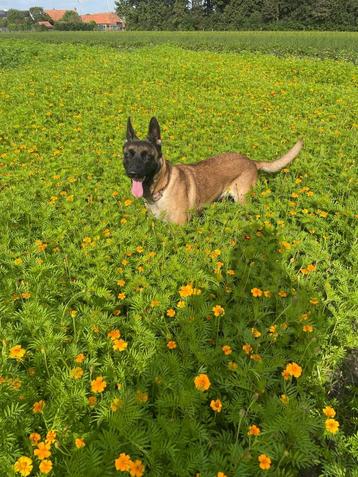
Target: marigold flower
x=114, y=334
x=128, y=202
x=226, y=349
x=121, y=283
x=256, y=357
x=308, y=328
x=267, y=294
x=116, y=404
x=154, y=303
x=139, y=249
x=92, y=400
x=314, y=301
x=265, y=462
x=254, y=430
x=221, y=474
x=171, y=313
x=98, y=385
x=80, y=358
x=294, y=369
x=202, y=382
x=120, y=345
x=121, y=296
x=216, y=405
x=136, y=468
x=34, y=438
x=231, y=272
x=329, y=411
x=256, y=292
x=122, y=462
x=17, y=352
x=79, y=442
x=42, y=451
x=284, y=399
x=141, y=396
x=76, y=373
x=283, y=293
x=171, y=345
x=272, y=329
x=45, y=466
x=247, y=348
x=23, y=466
x=38, y=406
x=18, y=261
x=186, y=290
x=181, y=304
x=218, y=310
x=332, y=425
x=51, y=437
x=232, y=365
x=255, y=333
x=73, y=313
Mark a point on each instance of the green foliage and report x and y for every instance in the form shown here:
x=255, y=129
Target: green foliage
x=73, y=239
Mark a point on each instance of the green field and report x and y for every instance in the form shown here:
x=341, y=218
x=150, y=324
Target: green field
x=336, y=45
x=108, y=315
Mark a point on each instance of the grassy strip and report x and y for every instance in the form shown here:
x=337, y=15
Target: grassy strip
x=336, y=45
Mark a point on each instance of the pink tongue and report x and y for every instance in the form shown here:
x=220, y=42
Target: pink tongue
x=137, y=188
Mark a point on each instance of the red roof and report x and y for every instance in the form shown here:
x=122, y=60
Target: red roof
x=102, y=18
x=55, y=15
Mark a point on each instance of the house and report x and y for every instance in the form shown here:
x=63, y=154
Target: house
x=45, y=24
x=56, y=15
x=105, y=21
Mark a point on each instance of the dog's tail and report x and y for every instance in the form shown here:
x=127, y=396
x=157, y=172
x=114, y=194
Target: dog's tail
x=279, y=164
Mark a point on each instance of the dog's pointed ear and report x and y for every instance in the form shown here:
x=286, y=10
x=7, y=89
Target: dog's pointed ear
x=154, y=132
x=131, y=135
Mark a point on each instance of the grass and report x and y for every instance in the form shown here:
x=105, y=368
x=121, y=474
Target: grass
x=81, y=261
x=336, y=45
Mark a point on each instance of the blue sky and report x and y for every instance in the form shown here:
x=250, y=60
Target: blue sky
x=83, y=6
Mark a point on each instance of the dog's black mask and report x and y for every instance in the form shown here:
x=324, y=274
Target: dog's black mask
x=142, y=158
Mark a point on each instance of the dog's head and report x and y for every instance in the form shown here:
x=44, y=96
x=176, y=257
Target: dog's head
x=142, y=158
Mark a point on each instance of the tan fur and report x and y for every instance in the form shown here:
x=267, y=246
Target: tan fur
x=178, y=190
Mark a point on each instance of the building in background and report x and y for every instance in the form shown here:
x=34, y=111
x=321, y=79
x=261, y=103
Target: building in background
x=105, y=21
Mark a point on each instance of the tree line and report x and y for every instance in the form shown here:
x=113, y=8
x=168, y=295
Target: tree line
x=239, y=14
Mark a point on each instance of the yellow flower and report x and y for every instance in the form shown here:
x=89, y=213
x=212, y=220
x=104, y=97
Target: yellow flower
x=42, y=451
x=121, y=283
x=254, y=430
x=232, y=365
x=98, y=385
x=186, y=290
x=80, y=358
x=45, y=466
x=284, y=399
x=79, y=442
x=218, y=310
x=255, y=333
x=23, y=466
x=216, y=405
x=308, y=328
x=139, y=249
x=122, y=462
x=181, y=304
x=76, y=373
x=128, y=202
x=332, y=425
x=255, y=357
x=267, y=294
x=136, y=468
x=34, y=438
x=221, y=474
x=121, y=296
x=38, y=406
x=256, y=292
x=226, y=349
x=314, y=301
x=202, y=382
x=18, y=261
x=171, y=312
x=120, y=345
x=265, y=462
x=329, y=411
x=231, y=272
x=51, y=437
x=282, y=294
x=116, y=404
x=292, y=369
x=171, y=345
x=141, y=396
x=17, y=352
x=247, y=348
x=154, y=303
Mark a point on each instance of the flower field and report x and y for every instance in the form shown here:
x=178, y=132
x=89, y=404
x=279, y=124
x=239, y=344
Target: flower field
x=132, y=347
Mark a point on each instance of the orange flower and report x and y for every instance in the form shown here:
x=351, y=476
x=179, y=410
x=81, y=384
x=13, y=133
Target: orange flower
x=218, y=310
x=42, y=451
x=80, y=358
x=23, y=466
x=265, y=462
x=122, y=462
x=76, y=373
x=255, y=357
x=308, y=328
x=120, y=345
x=34, y=438
x=294, y=369
x=121, y=283
x=255, y=333
x=221, y=474
x=38, y=406
x=154, y=303
x=272, y=329
x=121, y=296
x=79, y=442
x=171, y=345
x=285, y=373
x=98, y=385
x=50, y=437
x=136, y=468
x=114, y=334
x=254, y=430
x=202, y=382
x=216, y=405
x=45, y=466
x=314, y=301
x=247, y=348
x=171, y=313
x=92, y=400
x=332, y=425
x=186, y=290
x=17, y=352
x=283, y=293
x=329, y=411
x=226, y=349
x=267, y=294
x=256, y=292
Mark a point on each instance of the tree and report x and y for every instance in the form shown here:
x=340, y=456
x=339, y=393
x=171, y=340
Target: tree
x=71, y=16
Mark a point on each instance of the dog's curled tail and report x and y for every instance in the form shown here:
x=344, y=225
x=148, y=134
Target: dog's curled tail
x=279, y=164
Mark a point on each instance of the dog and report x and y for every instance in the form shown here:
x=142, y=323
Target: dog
x=174, y=192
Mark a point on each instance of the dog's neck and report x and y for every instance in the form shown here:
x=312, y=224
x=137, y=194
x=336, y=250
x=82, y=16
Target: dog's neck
x=160, y=181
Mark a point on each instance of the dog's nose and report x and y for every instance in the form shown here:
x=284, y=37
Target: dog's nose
x=132, y=174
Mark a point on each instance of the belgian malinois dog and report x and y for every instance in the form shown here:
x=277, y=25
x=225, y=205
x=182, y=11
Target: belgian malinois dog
x=173, y=192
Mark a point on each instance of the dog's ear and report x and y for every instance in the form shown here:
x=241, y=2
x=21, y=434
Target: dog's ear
x=154, y=132
x=131, y=135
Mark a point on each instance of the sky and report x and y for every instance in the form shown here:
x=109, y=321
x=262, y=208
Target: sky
x=83, y=6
